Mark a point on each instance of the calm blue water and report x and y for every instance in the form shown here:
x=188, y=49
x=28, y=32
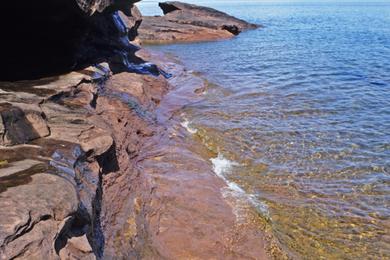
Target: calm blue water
x=303, y=105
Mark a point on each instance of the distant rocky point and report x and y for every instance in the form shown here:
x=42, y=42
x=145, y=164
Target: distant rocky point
x=184, y=22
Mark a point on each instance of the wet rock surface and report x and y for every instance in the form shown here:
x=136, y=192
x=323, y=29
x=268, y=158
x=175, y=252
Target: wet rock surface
x=184, y=22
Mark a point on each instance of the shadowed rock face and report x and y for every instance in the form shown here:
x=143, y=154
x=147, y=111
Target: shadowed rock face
x=184, y=22
x=46, y=37
x=91, y=6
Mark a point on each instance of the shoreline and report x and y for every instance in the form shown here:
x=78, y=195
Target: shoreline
x=246, y=211
x=138, y=185
x=122, y=175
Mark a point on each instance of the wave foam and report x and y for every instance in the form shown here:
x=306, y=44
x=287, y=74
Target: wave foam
x=186, y=125
x=233, y=193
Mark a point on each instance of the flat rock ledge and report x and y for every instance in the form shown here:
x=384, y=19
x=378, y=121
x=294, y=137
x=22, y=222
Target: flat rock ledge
x=184, y=22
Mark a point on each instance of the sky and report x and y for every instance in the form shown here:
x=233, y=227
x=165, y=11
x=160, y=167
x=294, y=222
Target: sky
x=277, y=1
x=150, y=7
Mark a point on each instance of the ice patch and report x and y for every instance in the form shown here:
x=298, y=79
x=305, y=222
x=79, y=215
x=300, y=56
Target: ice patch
x=233, y=193
x=186, y=125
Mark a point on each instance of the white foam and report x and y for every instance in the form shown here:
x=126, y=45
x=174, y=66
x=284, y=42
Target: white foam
x=233, y=193
x=187, y=126
x=222, y=166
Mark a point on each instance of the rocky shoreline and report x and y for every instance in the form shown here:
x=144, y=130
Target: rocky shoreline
x=96, y=165
x=184, y=22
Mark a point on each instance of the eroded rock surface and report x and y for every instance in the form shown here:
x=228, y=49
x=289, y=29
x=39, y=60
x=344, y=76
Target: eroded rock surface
x=184, y=22
x=48, y=182
x=31, y=215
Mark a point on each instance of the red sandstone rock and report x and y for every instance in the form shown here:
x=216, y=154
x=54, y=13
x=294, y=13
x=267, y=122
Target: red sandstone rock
x=148, y=191
x=184, y=22
x=31, y=216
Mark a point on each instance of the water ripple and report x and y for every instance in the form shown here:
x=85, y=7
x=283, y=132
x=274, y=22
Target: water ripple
x=304, y=106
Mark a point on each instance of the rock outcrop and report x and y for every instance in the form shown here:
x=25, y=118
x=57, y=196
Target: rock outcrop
x=94, y=163
x=184, y=22
x=61, y=138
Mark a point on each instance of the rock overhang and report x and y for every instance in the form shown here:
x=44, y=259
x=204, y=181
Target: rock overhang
x=48, y=37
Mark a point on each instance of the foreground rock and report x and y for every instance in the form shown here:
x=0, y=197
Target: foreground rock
x=184, y=22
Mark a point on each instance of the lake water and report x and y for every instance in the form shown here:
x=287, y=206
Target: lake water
x=299, y=113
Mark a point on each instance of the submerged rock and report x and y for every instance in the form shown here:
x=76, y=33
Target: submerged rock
x=184, y=22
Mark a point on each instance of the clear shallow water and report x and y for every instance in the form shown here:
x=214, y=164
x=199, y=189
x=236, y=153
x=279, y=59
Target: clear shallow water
x=303, y=106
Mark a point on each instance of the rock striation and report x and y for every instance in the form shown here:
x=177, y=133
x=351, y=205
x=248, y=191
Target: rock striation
x=54, y=163
x=184, y=22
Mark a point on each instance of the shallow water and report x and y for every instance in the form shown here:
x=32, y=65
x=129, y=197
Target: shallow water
x=302, y=107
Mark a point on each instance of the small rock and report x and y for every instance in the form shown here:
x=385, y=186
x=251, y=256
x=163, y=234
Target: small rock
x=81, y=243
x=21, y=126
x=95, y=141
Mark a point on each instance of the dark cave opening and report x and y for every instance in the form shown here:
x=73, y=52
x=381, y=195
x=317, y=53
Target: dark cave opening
x=49, y=37
x=40, y=37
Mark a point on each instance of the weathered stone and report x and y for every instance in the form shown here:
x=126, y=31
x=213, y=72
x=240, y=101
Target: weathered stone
x=31, y=215
x=77, y=248
x=17, y=167
x=81, y=243
x=2, y=129
x=20, y=126
x=132, y=22
x=95, y=141
x=38, y=124
x=91, y=6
